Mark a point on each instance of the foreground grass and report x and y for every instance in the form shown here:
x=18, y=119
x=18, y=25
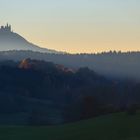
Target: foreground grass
x=110, y=127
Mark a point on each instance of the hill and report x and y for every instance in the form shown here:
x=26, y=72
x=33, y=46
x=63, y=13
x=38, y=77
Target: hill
x=10, y=40
x=118, y=126
x=36, y=92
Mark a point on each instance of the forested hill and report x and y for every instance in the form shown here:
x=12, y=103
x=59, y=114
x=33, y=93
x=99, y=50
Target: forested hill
x=40, y=92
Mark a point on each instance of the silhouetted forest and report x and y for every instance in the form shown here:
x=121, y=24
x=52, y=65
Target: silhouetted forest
x=36, y=92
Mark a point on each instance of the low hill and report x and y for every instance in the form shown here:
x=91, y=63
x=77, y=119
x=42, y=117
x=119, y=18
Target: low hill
x=38, y=92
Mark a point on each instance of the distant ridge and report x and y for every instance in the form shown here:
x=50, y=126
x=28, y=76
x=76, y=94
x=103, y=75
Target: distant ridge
x=115, y=65
x=10, y=40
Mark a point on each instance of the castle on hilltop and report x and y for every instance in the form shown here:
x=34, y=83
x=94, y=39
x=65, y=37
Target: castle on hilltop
x=6, y=28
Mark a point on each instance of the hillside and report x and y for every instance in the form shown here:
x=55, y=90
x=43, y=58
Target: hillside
x=10, y=40
x=110, y=127
x=36, y=92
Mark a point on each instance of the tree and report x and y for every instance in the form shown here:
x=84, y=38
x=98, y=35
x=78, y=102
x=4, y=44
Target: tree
x=90, y=107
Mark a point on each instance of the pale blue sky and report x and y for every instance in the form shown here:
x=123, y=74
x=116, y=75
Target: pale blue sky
x=76, y=25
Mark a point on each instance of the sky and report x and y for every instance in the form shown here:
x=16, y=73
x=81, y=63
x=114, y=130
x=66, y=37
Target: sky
x=76, y=26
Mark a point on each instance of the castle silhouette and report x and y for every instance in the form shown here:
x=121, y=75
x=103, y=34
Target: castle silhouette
x=6, y=28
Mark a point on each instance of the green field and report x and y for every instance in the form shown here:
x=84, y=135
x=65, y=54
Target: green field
x=110, y=127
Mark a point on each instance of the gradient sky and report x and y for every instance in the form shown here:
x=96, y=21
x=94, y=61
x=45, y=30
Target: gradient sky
x=75, y=25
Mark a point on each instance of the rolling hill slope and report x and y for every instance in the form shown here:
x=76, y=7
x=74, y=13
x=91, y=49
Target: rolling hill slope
x=110, y=127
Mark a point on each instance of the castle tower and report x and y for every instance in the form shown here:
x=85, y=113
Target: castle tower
x=6, y=29
x=7, y=25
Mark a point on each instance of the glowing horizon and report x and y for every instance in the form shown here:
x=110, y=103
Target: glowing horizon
x=76, y=26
